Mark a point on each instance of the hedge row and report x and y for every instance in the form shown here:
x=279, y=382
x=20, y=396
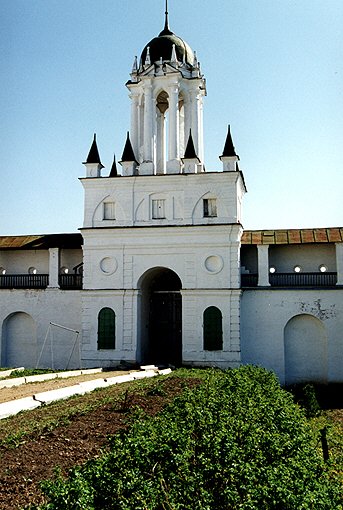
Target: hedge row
x=235, y=442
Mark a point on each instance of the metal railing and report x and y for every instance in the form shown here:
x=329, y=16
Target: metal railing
x=292, y=279
x=249, y=279
x=24, y=281
x=70, y=281
x=39, y=281
x=303, y=279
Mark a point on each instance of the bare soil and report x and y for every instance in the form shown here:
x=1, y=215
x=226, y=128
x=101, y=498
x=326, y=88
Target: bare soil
x=83, y=438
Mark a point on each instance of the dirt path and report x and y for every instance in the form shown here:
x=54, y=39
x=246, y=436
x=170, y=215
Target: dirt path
x=26, y=390
x=23, y=467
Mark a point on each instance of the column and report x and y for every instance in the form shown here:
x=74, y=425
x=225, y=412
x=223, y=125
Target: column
x=173, y=122
x=201, y=130
x=148, y=122
x=195, y=120
x=160, y=143
x=174, y=162
x=263, y=265
x=134, y=123
x=54, y=266
x=339, y=263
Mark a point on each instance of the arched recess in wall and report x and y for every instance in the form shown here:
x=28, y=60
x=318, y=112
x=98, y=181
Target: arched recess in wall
x=213, y=329
x=305, y=341
x=106, y=329
x=19, y=346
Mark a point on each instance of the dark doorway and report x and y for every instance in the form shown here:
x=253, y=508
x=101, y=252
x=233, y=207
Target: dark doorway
x=163, y=318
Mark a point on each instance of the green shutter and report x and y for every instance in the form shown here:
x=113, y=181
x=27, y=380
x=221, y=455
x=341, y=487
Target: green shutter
x=106, y=329
x=213, y=329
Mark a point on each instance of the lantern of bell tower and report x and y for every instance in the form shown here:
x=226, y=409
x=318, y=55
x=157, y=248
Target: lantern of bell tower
x=166, y=92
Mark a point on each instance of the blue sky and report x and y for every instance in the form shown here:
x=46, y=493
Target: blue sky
x=274, y=71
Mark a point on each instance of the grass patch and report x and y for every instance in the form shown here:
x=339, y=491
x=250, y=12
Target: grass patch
x=31, y=371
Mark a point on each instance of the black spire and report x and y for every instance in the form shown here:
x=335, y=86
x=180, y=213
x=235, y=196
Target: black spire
x=229, y=149
x=166, y=30
x=114, y=172
x=190, y=149
x=128, y=154
x=93, y=155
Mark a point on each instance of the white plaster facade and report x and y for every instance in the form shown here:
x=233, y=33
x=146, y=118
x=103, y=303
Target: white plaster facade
x=162, y=244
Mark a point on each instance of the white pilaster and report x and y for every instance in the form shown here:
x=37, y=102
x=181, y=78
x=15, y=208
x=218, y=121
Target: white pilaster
x=263, y=265
x=339, y=263
x=54, y=265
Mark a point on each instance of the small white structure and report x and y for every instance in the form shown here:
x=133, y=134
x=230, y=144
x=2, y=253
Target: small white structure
x=162, y=272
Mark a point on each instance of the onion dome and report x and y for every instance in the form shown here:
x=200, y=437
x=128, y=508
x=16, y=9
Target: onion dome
x=162, y=47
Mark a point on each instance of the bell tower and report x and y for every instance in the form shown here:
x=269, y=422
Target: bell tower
x=166, y=92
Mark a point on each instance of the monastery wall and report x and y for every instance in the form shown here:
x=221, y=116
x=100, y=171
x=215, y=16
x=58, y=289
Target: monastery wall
x=295, y=333
x=25, y=317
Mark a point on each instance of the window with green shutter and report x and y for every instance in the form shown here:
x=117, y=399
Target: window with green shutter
x=213, y=329
x=106, y=329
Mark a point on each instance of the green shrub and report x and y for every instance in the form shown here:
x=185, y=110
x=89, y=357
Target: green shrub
x=235, y=442
x=305, y=396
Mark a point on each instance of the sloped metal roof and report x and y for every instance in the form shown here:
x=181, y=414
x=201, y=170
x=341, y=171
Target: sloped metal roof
x=293, y=236
x=41, y=242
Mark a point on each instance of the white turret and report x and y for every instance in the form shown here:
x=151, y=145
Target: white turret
x=93, y=163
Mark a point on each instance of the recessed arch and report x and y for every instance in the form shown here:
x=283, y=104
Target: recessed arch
x=97, y=216
x=19, y=344
x=305, y=344
x=213, y=329
x=160, y=317
x=106, y=329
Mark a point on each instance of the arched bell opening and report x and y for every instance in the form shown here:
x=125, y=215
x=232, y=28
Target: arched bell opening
x=161, y=318
x=182, y=126
x=162, y=105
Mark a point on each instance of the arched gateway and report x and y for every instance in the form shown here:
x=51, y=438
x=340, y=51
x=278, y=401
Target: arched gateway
x=161, y=317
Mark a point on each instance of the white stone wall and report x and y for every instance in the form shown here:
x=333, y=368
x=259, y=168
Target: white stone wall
x=70, y=258
x=308, y=256
x=194, y=303
x=265, y=315
x=204, y=257
x=43, y=306
x=182, y=193
x=19, y=261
